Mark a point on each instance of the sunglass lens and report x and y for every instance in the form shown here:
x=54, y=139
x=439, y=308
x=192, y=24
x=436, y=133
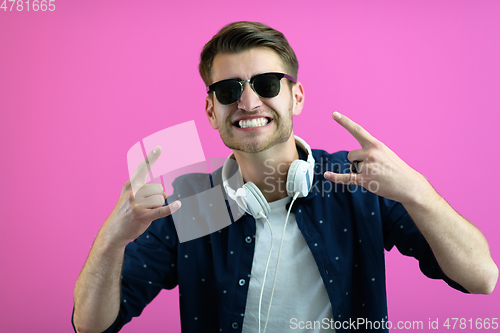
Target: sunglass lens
x=228, y=92
x=267, y=85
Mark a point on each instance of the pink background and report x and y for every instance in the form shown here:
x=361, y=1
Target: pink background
x=80, y=85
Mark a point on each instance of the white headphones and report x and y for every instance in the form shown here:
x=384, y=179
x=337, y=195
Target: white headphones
x=250, y=199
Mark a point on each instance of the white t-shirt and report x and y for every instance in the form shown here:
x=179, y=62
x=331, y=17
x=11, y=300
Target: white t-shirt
x=300, y=298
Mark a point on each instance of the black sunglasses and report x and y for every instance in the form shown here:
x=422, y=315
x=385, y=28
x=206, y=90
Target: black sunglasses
x=265, y=85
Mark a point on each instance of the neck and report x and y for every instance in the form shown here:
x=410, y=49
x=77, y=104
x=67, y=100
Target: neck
x=268, y=169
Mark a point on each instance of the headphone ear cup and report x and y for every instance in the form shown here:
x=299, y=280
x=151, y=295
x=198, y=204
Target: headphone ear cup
x=299, y=178
x=256, y=202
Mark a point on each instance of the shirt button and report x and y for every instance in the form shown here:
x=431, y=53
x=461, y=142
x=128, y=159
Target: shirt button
x=235, y=325
x=241, y=282
x=248, y=239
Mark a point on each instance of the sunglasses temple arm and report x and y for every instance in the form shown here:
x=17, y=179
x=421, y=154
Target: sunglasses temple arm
x=290, y=78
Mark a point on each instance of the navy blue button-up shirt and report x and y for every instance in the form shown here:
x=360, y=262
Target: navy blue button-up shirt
x=346, y=228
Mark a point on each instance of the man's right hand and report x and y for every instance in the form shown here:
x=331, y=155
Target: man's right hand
x=97, y=290
x=134, y=212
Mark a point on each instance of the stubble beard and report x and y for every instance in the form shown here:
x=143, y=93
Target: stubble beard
x=251, y=146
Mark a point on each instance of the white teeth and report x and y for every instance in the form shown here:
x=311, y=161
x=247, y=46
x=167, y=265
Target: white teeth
x=253, y=122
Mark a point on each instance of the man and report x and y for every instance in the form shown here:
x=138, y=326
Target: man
x=328, y=270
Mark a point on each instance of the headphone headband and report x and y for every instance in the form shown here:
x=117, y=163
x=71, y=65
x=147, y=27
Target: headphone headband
x=305, y=146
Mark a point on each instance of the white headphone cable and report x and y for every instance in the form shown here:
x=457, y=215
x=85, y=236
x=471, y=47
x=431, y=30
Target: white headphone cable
x=267, y=265
x=277, y=262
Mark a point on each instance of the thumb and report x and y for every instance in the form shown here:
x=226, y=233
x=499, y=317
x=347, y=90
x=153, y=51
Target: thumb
x=340, y=178
x=164, y=211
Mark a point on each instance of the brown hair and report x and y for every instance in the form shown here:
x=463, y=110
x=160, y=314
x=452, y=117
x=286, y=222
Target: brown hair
x=241, y=36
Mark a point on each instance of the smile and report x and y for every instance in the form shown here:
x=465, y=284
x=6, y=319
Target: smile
x=255, y=122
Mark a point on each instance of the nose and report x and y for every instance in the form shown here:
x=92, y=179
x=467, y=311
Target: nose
x=249, y=99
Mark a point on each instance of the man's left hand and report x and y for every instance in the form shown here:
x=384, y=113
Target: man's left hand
x=379, y=169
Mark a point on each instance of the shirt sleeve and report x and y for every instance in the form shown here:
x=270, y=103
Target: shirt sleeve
x=401, y=231
x=150, y=265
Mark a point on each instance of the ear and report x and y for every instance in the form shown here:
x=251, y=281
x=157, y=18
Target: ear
x=298, y=98
x=209, y=110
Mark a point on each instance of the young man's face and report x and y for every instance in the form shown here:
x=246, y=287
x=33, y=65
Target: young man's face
x=275, y=113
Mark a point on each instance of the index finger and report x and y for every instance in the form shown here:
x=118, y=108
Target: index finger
x=141, y=172
x=359, y=133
